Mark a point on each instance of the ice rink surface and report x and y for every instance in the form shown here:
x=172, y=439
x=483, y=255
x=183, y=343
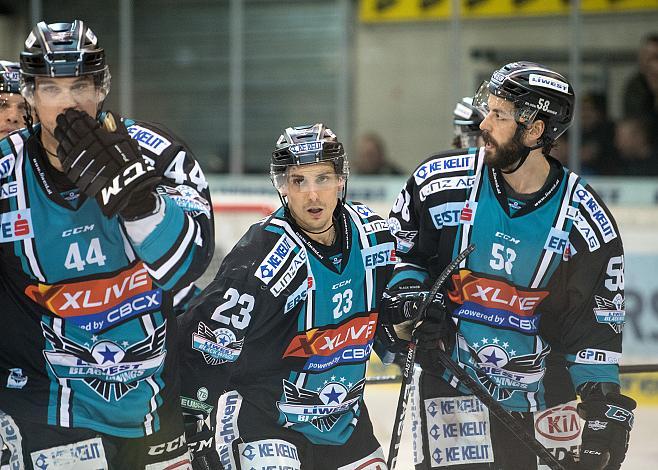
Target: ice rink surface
x=381, y=400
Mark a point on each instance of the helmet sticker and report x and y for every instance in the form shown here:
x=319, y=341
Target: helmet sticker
x=548, y=82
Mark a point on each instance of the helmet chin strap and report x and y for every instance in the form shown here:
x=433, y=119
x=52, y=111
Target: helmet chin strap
x=523, y=154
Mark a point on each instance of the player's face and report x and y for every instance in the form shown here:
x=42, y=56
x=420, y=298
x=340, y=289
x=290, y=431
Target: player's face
x=502, y=147
x=12, y=109
x=52, y=96
x=312, y=195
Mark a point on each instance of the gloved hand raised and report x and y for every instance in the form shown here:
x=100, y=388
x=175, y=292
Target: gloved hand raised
x=608, y=419
x=106, y=163
x=401, y=302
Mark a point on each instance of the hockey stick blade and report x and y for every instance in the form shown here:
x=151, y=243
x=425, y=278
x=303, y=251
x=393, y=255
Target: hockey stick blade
x=407, y=371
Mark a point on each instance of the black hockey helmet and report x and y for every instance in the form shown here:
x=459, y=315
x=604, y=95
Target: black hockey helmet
x=63, y=50
x=306, y=145
x=537, y=93
x=466, y=123
x=10, y=75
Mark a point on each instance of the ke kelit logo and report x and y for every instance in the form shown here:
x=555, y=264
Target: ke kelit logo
x=596, y=212
x=444, y=165
x=16, y=225
x=321, y=408
x=95, y=296
x=217, y=346
x=148, y=139
x=494, y=294
x=350, y=342
x=110, y=369
x=560, y=423
x=7, y=165
x=611, y=312
x=275, y=259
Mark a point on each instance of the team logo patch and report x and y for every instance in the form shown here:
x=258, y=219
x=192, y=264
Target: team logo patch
x=149, y=139
x=217, y=346
x=16, y=378
x=500, y=369
x=323, y=407
x=110, y=369
x=16, y=225
x=611, y=311
x=187, y=198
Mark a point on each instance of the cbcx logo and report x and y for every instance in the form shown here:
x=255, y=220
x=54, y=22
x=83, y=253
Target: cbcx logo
x=16, y=225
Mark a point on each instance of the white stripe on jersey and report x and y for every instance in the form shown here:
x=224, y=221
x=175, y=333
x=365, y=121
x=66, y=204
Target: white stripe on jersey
x=180, y=252
x=65, y=400
x=366, y=244
x=28, y=243
x=559, y=224
x=466, y=228
x=147, y=323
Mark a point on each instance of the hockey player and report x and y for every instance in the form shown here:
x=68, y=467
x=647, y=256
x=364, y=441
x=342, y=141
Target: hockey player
x=103, y=222
x=466, y=121
x=537, y=310
x=12, y=104
x=274, y=350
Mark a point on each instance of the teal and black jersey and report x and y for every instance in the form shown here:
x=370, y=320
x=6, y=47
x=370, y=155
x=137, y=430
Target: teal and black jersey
x=542, y=293
x=287, y=328
x=89, y=330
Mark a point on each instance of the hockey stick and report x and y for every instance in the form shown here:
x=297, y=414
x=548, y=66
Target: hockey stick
x=407, y=372
x=504, y=416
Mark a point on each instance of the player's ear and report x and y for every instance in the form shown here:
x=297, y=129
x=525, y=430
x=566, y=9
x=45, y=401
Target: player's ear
x=534, y=131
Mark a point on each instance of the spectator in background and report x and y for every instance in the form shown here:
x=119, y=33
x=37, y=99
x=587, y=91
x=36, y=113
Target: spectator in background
x=371, y=157
x=597, y=141
x=641, y=91
x=636, y=153
x=597, y=152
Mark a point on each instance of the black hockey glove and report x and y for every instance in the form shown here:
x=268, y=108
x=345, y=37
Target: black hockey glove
x=105, y=163
x=201, y=444
x=400, y=303
x=608, y=419
x=433, y=334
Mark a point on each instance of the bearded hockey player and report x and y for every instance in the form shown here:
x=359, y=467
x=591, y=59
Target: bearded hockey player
x=535, y=314
x=274, y=350
x=104, y=222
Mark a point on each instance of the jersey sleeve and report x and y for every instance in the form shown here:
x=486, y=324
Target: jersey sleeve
x=177, y=243
x=588, y=323
x=213, y=331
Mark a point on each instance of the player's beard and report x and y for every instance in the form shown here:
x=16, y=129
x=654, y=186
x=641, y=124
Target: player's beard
x=505, y=155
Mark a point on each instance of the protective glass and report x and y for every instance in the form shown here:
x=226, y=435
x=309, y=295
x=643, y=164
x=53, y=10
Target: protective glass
x=521, y=114
x=56, y=90
x=306, y=183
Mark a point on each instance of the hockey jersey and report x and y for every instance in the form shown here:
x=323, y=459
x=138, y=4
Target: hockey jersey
x=89, y=331
x=286, y=331
x=543, y=291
